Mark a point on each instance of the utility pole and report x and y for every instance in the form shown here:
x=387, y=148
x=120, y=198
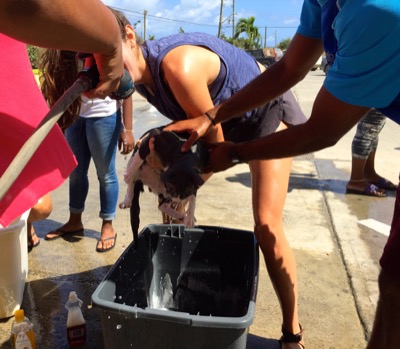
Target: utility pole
x=144, y=25
x=220, y=18
x=233, y=18
x=265, y=36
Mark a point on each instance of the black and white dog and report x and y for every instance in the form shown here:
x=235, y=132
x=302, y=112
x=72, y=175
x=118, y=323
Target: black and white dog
x=173, y=175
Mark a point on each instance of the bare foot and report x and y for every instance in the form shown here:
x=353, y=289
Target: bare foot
x=359, y=185
x=66, y=229
x=108, y=237
x=33, y=239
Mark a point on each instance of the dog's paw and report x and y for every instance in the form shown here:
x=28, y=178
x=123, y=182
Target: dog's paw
x=124, y=204
x=189, y=221
x=169, y=211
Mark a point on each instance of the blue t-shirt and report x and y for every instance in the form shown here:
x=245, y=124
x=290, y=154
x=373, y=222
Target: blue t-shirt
x=366, y=70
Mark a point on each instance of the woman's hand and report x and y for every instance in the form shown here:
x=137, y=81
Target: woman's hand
x=126, y=142
x=220, y=157
x=196, y=127
x=111, y=70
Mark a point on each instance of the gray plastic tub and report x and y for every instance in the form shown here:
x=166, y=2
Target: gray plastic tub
x=181, y=288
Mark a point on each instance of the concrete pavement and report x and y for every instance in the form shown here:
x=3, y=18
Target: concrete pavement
x=336, y=247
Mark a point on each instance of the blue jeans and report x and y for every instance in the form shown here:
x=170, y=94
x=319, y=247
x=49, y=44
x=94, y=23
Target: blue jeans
x=95, y=138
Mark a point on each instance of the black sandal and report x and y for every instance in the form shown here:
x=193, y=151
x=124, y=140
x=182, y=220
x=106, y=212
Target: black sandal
x=31, y=243
x=289, y=337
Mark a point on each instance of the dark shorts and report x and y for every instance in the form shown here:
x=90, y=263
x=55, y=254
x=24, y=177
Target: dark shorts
x=390, y=260
x=265, y=120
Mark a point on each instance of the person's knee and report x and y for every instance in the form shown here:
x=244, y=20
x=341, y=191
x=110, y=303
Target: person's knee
x=41, y=210
x=268, y=233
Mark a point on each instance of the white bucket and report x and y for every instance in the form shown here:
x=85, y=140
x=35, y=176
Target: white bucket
x=13, y=266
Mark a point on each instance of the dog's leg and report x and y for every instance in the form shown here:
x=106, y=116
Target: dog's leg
x=130, y=175
x=166, y=208
x=190, y=219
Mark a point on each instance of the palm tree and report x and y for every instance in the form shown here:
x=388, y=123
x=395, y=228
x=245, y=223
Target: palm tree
x=246, y=25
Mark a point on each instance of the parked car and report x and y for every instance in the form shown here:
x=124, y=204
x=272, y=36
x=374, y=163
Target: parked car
x=266, y=56
x=278, y=53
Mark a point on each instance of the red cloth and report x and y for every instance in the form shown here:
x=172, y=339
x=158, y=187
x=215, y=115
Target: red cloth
x=22, y=107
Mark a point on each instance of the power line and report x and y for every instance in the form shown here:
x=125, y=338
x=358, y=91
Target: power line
x=165, y=19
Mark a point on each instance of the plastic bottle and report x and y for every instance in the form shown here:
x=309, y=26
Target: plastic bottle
x=76, y=326
x=22, y=332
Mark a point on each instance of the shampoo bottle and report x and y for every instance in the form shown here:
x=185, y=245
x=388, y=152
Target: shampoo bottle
x=76, y=326
x=22, y=332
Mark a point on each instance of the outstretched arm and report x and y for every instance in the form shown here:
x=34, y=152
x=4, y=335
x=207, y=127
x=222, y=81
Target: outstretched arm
x=85, y=26
x=329, y=121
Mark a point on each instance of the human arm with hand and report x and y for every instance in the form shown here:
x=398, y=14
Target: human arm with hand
x=81, y=26
x=329, y=121
x=126, y=141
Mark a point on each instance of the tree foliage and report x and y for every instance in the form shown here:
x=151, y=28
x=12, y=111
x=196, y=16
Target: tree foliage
x=33, y=53
x=284, y=44
x=252, y=38
x=246, y=26
x=243, y=43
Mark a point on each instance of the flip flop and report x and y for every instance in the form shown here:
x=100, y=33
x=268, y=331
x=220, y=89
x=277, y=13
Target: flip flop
x=384, y=183
x=369, y=190
x=101, y=249
x=61, y=232
x=32, y=244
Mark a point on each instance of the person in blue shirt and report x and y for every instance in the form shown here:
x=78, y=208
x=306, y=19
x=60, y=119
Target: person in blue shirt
x=365, y=74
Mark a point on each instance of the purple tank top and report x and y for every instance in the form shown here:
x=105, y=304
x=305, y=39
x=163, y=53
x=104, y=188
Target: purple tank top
x=237, y=69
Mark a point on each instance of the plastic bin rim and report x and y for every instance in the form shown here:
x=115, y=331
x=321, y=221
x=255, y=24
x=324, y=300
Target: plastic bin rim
x=175, y=316
x=193, y=320
x=12, y=228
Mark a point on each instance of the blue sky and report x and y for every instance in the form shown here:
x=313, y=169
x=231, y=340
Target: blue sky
x=165, y=17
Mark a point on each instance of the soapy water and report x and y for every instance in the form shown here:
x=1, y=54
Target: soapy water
x=164, y=298
x=190, y=295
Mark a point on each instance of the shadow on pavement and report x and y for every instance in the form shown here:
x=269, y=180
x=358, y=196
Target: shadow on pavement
x=49, y=316
x=47, y=310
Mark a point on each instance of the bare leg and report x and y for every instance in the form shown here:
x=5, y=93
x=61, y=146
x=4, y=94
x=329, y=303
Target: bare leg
x=357, y=180
x=269, y=187
x=38, y=212
x=369, y=172
x=386, y=330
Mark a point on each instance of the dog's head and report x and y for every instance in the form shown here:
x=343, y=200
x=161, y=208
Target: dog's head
x=181, y=181
x=181, y=175
x=181, y=171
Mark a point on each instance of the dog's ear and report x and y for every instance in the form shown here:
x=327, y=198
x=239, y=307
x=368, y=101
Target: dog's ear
x=144, y=149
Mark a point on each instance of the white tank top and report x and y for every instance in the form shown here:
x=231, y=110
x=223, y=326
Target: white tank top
x=98, y=108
